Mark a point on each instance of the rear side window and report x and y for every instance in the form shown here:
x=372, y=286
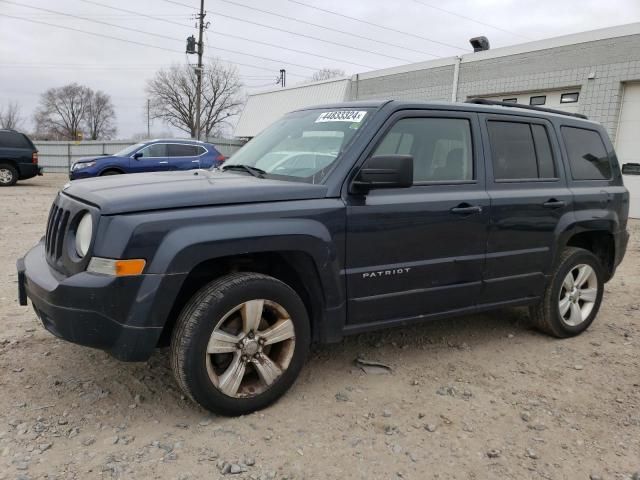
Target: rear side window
x=178, y=150
x=587, y=154
x=520, y=151
x=14, y=140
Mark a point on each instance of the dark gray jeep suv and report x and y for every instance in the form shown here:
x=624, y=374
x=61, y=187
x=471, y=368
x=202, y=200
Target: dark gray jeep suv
x=336, y=220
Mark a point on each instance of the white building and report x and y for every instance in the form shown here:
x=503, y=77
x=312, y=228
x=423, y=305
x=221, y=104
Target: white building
x=596, y=73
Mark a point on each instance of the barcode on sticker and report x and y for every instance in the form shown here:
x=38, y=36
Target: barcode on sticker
x=341, y=116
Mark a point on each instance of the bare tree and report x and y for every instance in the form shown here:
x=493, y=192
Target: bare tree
x=326, y=74
x=173, y=97
x=99, y=116
x=62, y=112
x=11, y=117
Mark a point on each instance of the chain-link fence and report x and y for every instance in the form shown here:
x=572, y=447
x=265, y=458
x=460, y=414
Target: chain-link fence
x=58, y=156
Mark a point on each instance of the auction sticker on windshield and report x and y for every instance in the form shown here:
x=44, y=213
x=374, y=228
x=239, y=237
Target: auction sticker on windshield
x=341, y=116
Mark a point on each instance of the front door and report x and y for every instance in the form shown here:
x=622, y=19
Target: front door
x=419, y=251
x=153, y=158
x=529, y=198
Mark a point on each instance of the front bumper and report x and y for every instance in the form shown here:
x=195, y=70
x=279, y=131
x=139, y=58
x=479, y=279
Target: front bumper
x=124, y=316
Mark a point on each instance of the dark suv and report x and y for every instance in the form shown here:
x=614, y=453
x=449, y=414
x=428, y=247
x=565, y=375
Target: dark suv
x=18, y=158
x=335, y=220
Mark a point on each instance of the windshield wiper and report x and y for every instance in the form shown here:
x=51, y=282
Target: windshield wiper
x=256, y=172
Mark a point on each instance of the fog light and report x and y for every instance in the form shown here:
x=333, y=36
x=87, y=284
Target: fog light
x=116, y=268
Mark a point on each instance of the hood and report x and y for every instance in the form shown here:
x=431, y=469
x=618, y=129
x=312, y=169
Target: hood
x=192, y=188
x=91, y=159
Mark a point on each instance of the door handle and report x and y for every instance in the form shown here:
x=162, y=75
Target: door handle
x=553, y=203
x=466, y=209
x=163, y=162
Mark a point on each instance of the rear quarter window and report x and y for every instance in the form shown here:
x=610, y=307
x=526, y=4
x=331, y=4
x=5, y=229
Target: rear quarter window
x=588, y=157
x=14, y=140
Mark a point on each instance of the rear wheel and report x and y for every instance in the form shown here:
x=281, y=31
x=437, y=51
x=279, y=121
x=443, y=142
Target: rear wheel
x=240, y=343
x=8, y=175
x=573, y=297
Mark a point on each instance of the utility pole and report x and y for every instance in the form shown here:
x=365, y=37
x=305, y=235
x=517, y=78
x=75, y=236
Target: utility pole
x=201, y=27
x=148, y=118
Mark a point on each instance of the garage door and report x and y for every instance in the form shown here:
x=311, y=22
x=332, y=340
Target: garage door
x=628, y=141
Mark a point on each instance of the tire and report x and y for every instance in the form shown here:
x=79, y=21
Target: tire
x=225, y=307
x=8, y=175
x=552, y=315
x=110, y=172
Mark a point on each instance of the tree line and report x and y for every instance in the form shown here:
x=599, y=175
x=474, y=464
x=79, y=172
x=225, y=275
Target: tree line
x=75, y=111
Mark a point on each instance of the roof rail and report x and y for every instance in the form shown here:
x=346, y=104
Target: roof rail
x=484, y=101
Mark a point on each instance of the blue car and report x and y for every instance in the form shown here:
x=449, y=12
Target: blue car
x=152, y=156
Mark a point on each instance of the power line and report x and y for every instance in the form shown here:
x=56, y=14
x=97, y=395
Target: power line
x=220, y=14
x=280, y=47
x=134, y=42
x=470, y=19
x=375, y=24
x=421, y=52
x=85, y=66
x=135, y=30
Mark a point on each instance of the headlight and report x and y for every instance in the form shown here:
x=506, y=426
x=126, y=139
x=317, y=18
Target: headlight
x=84, y=233
x=81, y=165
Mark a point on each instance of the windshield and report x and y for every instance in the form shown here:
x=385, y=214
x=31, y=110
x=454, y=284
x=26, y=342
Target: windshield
x=129, y=150
x=302, y=145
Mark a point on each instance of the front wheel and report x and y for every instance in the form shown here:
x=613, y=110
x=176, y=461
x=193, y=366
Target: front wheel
x=240, y=343
x=572, y=299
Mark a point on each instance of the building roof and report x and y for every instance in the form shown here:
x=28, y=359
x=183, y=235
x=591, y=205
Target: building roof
x=536, y=45
x=263, y=108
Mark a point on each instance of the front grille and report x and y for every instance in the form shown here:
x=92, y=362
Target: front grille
x=56, y=232
x=64, y=216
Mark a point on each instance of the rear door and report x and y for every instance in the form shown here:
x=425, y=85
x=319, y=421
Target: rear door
x=416, y=251
x=184, y=156
x=529, y=200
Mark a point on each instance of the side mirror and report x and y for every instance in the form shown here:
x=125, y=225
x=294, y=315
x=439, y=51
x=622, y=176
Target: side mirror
x=137, y=155
x=384, y=171
x=631, y=169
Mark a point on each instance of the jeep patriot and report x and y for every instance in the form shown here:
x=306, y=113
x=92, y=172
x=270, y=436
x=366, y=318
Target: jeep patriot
x=335, y=220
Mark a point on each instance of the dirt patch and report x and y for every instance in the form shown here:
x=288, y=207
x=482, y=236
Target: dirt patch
x=477, y=397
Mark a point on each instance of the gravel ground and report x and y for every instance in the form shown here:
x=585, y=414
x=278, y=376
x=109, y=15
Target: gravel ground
x=477, y=397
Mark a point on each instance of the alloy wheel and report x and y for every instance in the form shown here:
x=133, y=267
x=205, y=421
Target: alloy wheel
x=578, y=295
x=6, y=176
x=250, y=348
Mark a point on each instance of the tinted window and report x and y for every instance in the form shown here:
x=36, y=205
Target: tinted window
x=539, y=100
x=176, y=150
x=155, y=150
x=587, y=154
x=441, y=147
x=513, y=152
x=569, y=97
x=546, y=165
x=13, y=140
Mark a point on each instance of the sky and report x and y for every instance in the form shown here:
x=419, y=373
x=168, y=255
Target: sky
x=35, y=55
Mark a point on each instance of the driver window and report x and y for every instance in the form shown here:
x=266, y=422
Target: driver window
x=155, y=150
x=441, y=147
